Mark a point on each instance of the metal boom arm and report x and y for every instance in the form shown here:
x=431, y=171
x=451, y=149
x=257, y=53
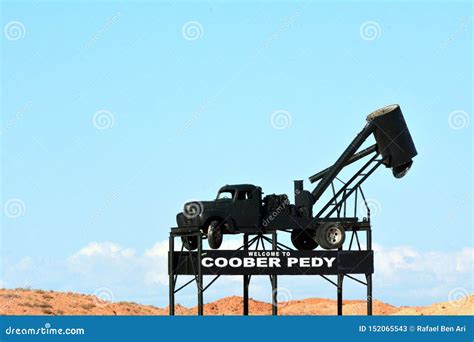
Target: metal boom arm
x=359, y=155
x=343, y=160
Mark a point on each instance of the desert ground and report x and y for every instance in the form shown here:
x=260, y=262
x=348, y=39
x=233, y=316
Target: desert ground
x=39, y=302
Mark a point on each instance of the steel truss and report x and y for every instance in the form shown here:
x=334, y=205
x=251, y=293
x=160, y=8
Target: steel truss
x=255, y=241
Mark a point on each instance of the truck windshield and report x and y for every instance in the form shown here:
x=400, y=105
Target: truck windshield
x=226, y=194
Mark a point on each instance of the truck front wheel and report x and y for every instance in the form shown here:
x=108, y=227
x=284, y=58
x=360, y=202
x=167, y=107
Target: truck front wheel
x=214, y=235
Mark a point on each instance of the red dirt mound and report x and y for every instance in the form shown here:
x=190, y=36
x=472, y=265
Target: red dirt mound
x=39, y=302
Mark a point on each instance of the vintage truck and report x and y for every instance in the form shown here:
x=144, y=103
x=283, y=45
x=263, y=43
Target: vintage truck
x=243, y=208
x=236, y=209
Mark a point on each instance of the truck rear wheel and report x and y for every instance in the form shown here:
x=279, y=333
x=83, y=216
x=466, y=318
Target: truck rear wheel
x=304, y=240
x=331, y=235
x=214, y=235
x=190, y=242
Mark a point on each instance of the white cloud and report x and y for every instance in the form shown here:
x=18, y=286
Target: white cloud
x=159, y=250
x=104, y=249
x=391, y=262
x=404, y=274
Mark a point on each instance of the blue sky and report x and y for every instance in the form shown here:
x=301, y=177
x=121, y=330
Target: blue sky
x=188, y=115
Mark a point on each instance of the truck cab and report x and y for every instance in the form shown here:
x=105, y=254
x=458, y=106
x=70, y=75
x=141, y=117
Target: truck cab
x=244, y=209
x=236, y=208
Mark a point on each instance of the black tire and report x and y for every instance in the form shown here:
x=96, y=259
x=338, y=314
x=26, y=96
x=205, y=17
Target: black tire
x=190, y=242
x=304, y=240
x=331, y=235
x=214, y=235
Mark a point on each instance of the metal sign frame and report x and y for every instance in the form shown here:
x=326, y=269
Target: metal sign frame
x=349, y=263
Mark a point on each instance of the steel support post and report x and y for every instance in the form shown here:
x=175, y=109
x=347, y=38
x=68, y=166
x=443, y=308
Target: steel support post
x=171, y=275
x=274, y=280
x=340, y=278
x=199, y=277
x=246, y=280
x=368, y=277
